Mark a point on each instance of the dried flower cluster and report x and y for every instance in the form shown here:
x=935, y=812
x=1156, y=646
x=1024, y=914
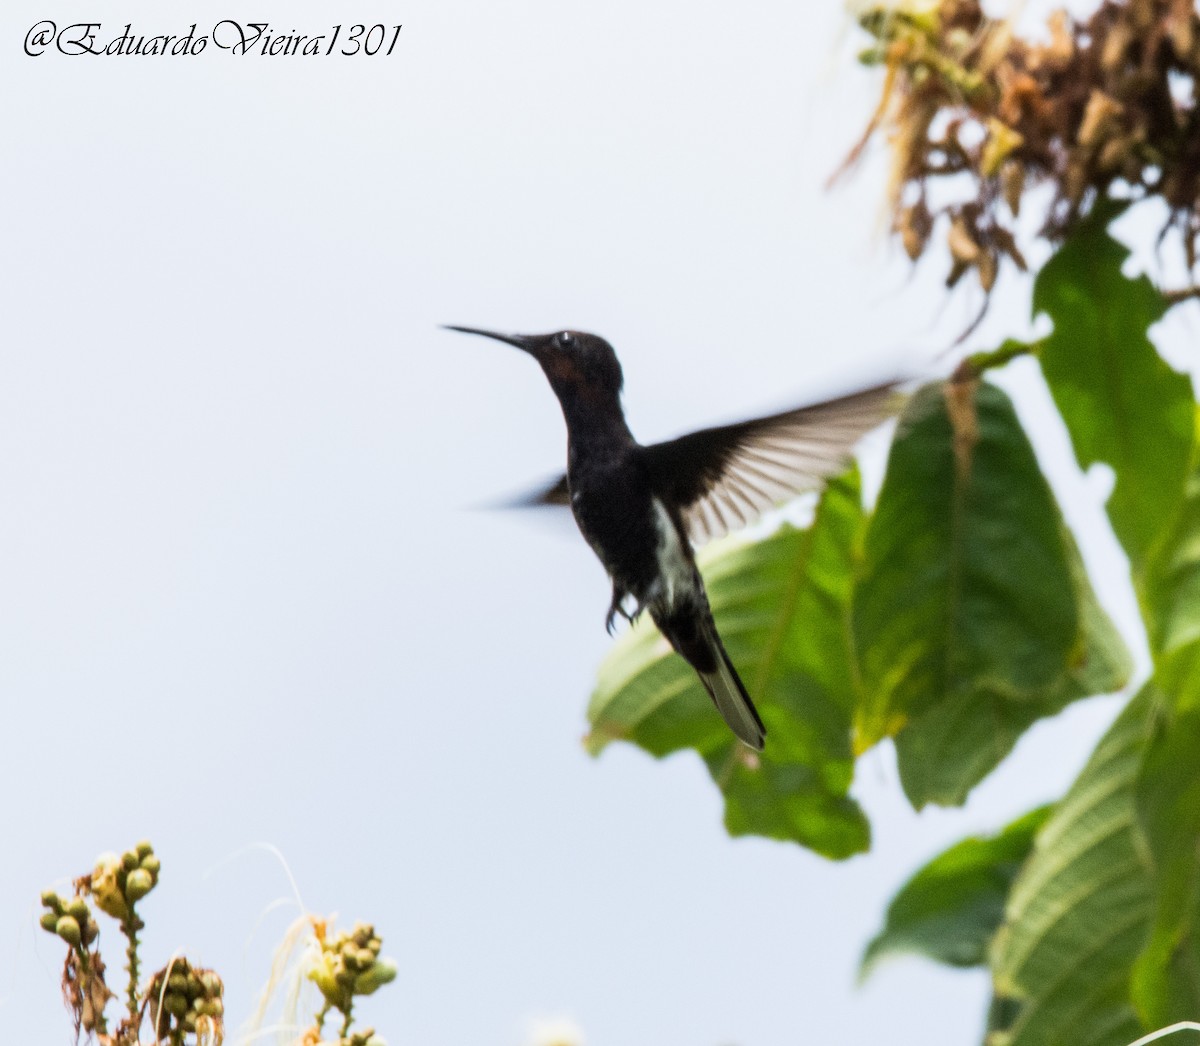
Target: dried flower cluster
x=346, y=966
x=1106, y=107
x=184, y=1002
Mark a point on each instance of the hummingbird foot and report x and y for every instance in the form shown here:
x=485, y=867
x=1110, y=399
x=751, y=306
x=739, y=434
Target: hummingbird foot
x=618, y=608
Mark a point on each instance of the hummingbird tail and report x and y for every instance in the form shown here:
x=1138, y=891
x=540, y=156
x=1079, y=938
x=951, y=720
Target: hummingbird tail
x=692, y=632
x=729, y=695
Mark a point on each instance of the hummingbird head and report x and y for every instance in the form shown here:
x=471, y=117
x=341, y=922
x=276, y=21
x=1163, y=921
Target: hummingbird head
x=578, y=365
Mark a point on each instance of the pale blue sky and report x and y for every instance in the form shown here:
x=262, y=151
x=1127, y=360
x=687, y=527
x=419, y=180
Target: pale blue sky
x=244, y=596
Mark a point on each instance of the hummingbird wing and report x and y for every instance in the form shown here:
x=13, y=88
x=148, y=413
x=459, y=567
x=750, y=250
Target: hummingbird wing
x=726, y=477
x=554, y=493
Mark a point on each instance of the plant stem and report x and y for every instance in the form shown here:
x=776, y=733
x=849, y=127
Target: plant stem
x=1010, y=350
x=130, y=927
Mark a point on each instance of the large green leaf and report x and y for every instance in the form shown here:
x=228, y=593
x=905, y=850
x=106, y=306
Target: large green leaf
x=1122, y=403
x=950, y=910
x=1166, y=984
x=782, y=607
x=944, y=752
x=1081, y=908
x=1171, y=587
x=973, y=616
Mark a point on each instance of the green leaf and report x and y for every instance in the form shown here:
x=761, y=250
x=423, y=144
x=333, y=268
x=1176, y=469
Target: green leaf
x=1122, y=403
x=973, y=616
x=782, y=607
x=1170, y=592
x=944, y=752
x=1080, y=909
x=1166, y=983
x=950, y=910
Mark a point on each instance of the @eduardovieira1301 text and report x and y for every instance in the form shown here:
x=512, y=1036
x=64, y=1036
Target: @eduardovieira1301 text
x=240, y=38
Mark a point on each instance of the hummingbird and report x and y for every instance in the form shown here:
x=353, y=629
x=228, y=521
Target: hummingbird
x=643, y=508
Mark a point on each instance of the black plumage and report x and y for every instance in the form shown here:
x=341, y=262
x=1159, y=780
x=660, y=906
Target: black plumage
x=641, y=508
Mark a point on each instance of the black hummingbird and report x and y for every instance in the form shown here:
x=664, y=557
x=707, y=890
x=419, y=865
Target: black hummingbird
x=642, y=507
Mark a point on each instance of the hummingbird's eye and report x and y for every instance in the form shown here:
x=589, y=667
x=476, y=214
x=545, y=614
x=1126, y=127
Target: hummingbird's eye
x=565, y=340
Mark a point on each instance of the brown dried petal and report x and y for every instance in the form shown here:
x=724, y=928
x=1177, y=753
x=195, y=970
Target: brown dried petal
x=1100, y=118
x=963, y=248
x=1002, y=141
x=1058, y=53
x=1114, y=153
x=989, y=266
x=1012, y=184
x=1115, y=49
x=1180, y=26
x=914, y=225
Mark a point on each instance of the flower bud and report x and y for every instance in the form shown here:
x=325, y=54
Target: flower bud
x=382, y=972
x=68, y=929
x=137, y=884
x=77, y=908
x=49, y=921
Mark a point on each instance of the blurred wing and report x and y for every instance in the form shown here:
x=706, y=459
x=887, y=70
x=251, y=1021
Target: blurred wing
x=725, y=478
x=556, y=493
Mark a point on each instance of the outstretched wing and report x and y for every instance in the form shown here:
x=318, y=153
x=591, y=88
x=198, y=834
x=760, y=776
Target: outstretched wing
x=724, y=478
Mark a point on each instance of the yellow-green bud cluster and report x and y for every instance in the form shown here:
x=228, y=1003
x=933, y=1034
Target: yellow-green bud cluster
x=71, y=919
x=181, y=995
x=350, y=965
x=118, y=882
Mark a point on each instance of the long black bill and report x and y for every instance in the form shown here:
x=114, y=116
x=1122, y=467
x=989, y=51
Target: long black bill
x=526, y=342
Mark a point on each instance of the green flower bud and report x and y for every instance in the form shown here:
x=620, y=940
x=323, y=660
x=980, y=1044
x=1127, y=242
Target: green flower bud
x=366, y=958
x=129, y=860
x=175, y=1004
x=144, y=850
x=68, y=929
x=152, y=865
x=91, y=930
x=212, y=983
x=382, y=972
x=77, y=908
x=177, y=982
x=138, y=883
x=210, y=1007
x=49, y=921
x=51, y=900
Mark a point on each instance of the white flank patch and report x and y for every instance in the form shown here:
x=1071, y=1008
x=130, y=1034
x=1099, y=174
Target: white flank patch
x=674, y=568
